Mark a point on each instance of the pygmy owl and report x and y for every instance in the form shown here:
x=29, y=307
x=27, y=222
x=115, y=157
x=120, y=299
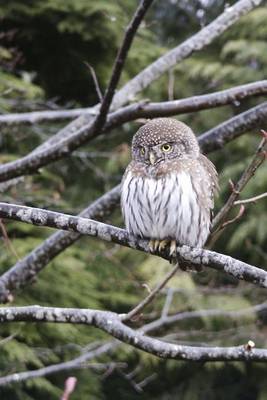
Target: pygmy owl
x=168, y=188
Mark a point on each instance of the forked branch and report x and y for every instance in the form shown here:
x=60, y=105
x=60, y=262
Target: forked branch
x=110, y=323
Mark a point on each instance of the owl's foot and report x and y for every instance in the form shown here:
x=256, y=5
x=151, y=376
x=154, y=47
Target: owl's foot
x=163, y=244
x=173, y=252
x=160, y=245
x=157, y=245
x=153, y=245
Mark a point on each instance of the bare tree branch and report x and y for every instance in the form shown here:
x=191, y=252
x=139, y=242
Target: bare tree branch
x=152, y=327
x=211, y=140
x=110, y=323
x=34, y=117
x=149, y=109
x=234, y=127
x=195, y=43
x=169, y=320
x=109, y=233
x=76, y=363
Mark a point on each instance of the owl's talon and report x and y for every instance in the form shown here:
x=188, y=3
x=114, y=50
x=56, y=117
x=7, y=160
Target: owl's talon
x=153, y=245
x=163, y=244
x=157, y=245
x=157, y=242
x=173, y=252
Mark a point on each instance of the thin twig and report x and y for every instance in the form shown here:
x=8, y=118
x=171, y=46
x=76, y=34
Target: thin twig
x=171, y=81
x=219, y=223
x=79, y=362
x=95, y=80
x=251, y=199
x=147, y=380
x=136, y=310
x=8, y=242
x=167, y=304
x=250, y=170
x=131, y=381
x=233, y=220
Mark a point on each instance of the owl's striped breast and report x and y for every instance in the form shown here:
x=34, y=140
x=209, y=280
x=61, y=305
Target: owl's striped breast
x=164, y=208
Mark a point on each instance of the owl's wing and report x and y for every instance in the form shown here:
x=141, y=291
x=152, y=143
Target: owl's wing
x=122, y=190
x=211, y=183
x=125, y=184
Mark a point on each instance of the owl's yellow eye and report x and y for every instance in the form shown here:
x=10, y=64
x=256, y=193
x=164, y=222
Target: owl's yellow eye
x=166, y=147
x=142, y=150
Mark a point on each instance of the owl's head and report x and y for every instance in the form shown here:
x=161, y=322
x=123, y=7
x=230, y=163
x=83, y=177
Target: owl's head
x=164, y=139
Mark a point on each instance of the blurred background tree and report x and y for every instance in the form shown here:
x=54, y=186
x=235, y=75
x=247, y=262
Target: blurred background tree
x=44, y=48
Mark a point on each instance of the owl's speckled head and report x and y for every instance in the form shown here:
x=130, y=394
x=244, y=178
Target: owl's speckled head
x=164, y=139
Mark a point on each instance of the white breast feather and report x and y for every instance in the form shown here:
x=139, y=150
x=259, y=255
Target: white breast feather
x=165, y=208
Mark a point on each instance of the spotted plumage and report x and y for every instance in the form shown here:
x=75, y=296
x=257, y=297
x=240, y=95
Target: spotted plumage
x=168, y=188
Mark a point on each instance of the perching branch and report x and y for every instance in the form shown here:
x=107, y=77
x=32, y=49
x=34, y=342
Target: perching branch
x=109, y=233
x=149, y=109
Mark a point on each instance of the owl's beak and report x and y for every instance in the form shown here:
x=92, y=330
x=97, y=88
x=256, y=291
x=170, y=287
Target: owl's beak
x=152, y=158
